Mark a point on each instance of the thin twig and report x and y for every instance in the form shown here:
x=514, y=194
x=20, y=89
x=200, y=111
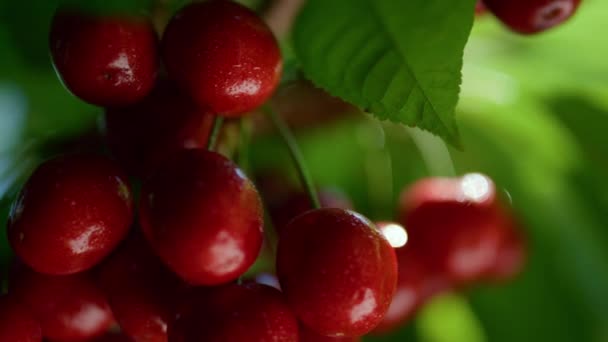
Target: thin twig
x=296, y=155
x=215, y=132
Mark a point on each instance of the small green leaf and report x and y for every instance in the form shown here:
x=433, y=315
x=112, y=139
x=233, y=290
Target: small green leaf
x=399, y=59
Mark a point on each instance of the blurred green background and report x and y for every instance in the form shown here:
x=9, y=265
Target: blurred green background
x=533, y=115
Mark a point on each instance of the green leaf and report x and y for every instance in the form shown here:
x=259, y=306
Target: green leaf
x=399, y=59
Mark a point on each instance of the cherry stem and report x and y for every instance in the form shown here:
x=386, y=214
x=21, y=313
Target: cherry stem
x=244, y=140
x=296, y=155
x=160, y=13
x=215, y=132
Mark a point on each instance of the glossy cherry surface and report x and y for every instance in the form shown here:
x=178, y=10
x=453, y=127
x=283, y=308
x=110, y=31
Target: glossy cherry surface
x=532, y=16
x=72, y=212
x=337, y=271
x=17, y=323
x=267, y=279
x=223, y=55
x=144, y=134
x=416, y=284
x=451, y=222
x=140, y=290
x=104, y=60
x=203, y=217
x=69, y=308
x=307, y=335
x=512, y=249
x=232, y=313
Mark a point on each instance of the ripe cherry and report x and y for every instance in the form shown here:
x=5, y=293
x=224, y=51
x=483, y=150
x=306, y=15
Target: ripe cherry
x=223, y=55
x=532, y=16
x=140, y=290
x=72, y=212
x=17, y=323
x=69, y=308
x=451, y=222
x=512, y=252
x=249, y=312
x=144, y=134
x=416, y=284
x=307, y=335
x=203, y=217
x=337, y=271
x=474, y=188
x=104, y=60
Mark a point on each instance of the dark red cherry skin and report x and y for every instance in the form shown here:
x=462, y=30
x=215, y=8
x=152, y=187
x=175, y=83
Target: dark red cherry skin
x=307, y=335
x=512, y=249
x=140, y=290
x=112, y=337
x=337, y=271
x=17, y=323
x=203, y=217
x=532, y=16
x=69, y=308
x=451, y=222
x=249, y=312
x=72, y=212
x=223, y=55
x=142, y=135
x=298, y=203
x=416, y=284
x=104, y=60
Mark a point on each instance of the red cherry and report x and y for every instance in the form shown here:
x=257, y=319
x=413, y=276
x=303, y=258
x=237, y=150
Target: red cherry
x=69, y=308
x=296, y=203
x=249, y=312
x=337, y=271
x=532, y=16
x=416, y=284
x=140, y=290
x=474, y=188
x=223, y=55
x=17, y=323
x=104, y=60
x=203, y=217
x=144, y=134
x=307, y=335
x=451, y=223
x=72, y=212
x=512, y=252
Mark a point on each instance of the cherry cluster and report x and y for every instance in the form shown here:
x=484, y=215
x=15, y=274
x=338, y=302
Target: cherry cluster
x=460, y=234
x=529, y=16
x=98, y=259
